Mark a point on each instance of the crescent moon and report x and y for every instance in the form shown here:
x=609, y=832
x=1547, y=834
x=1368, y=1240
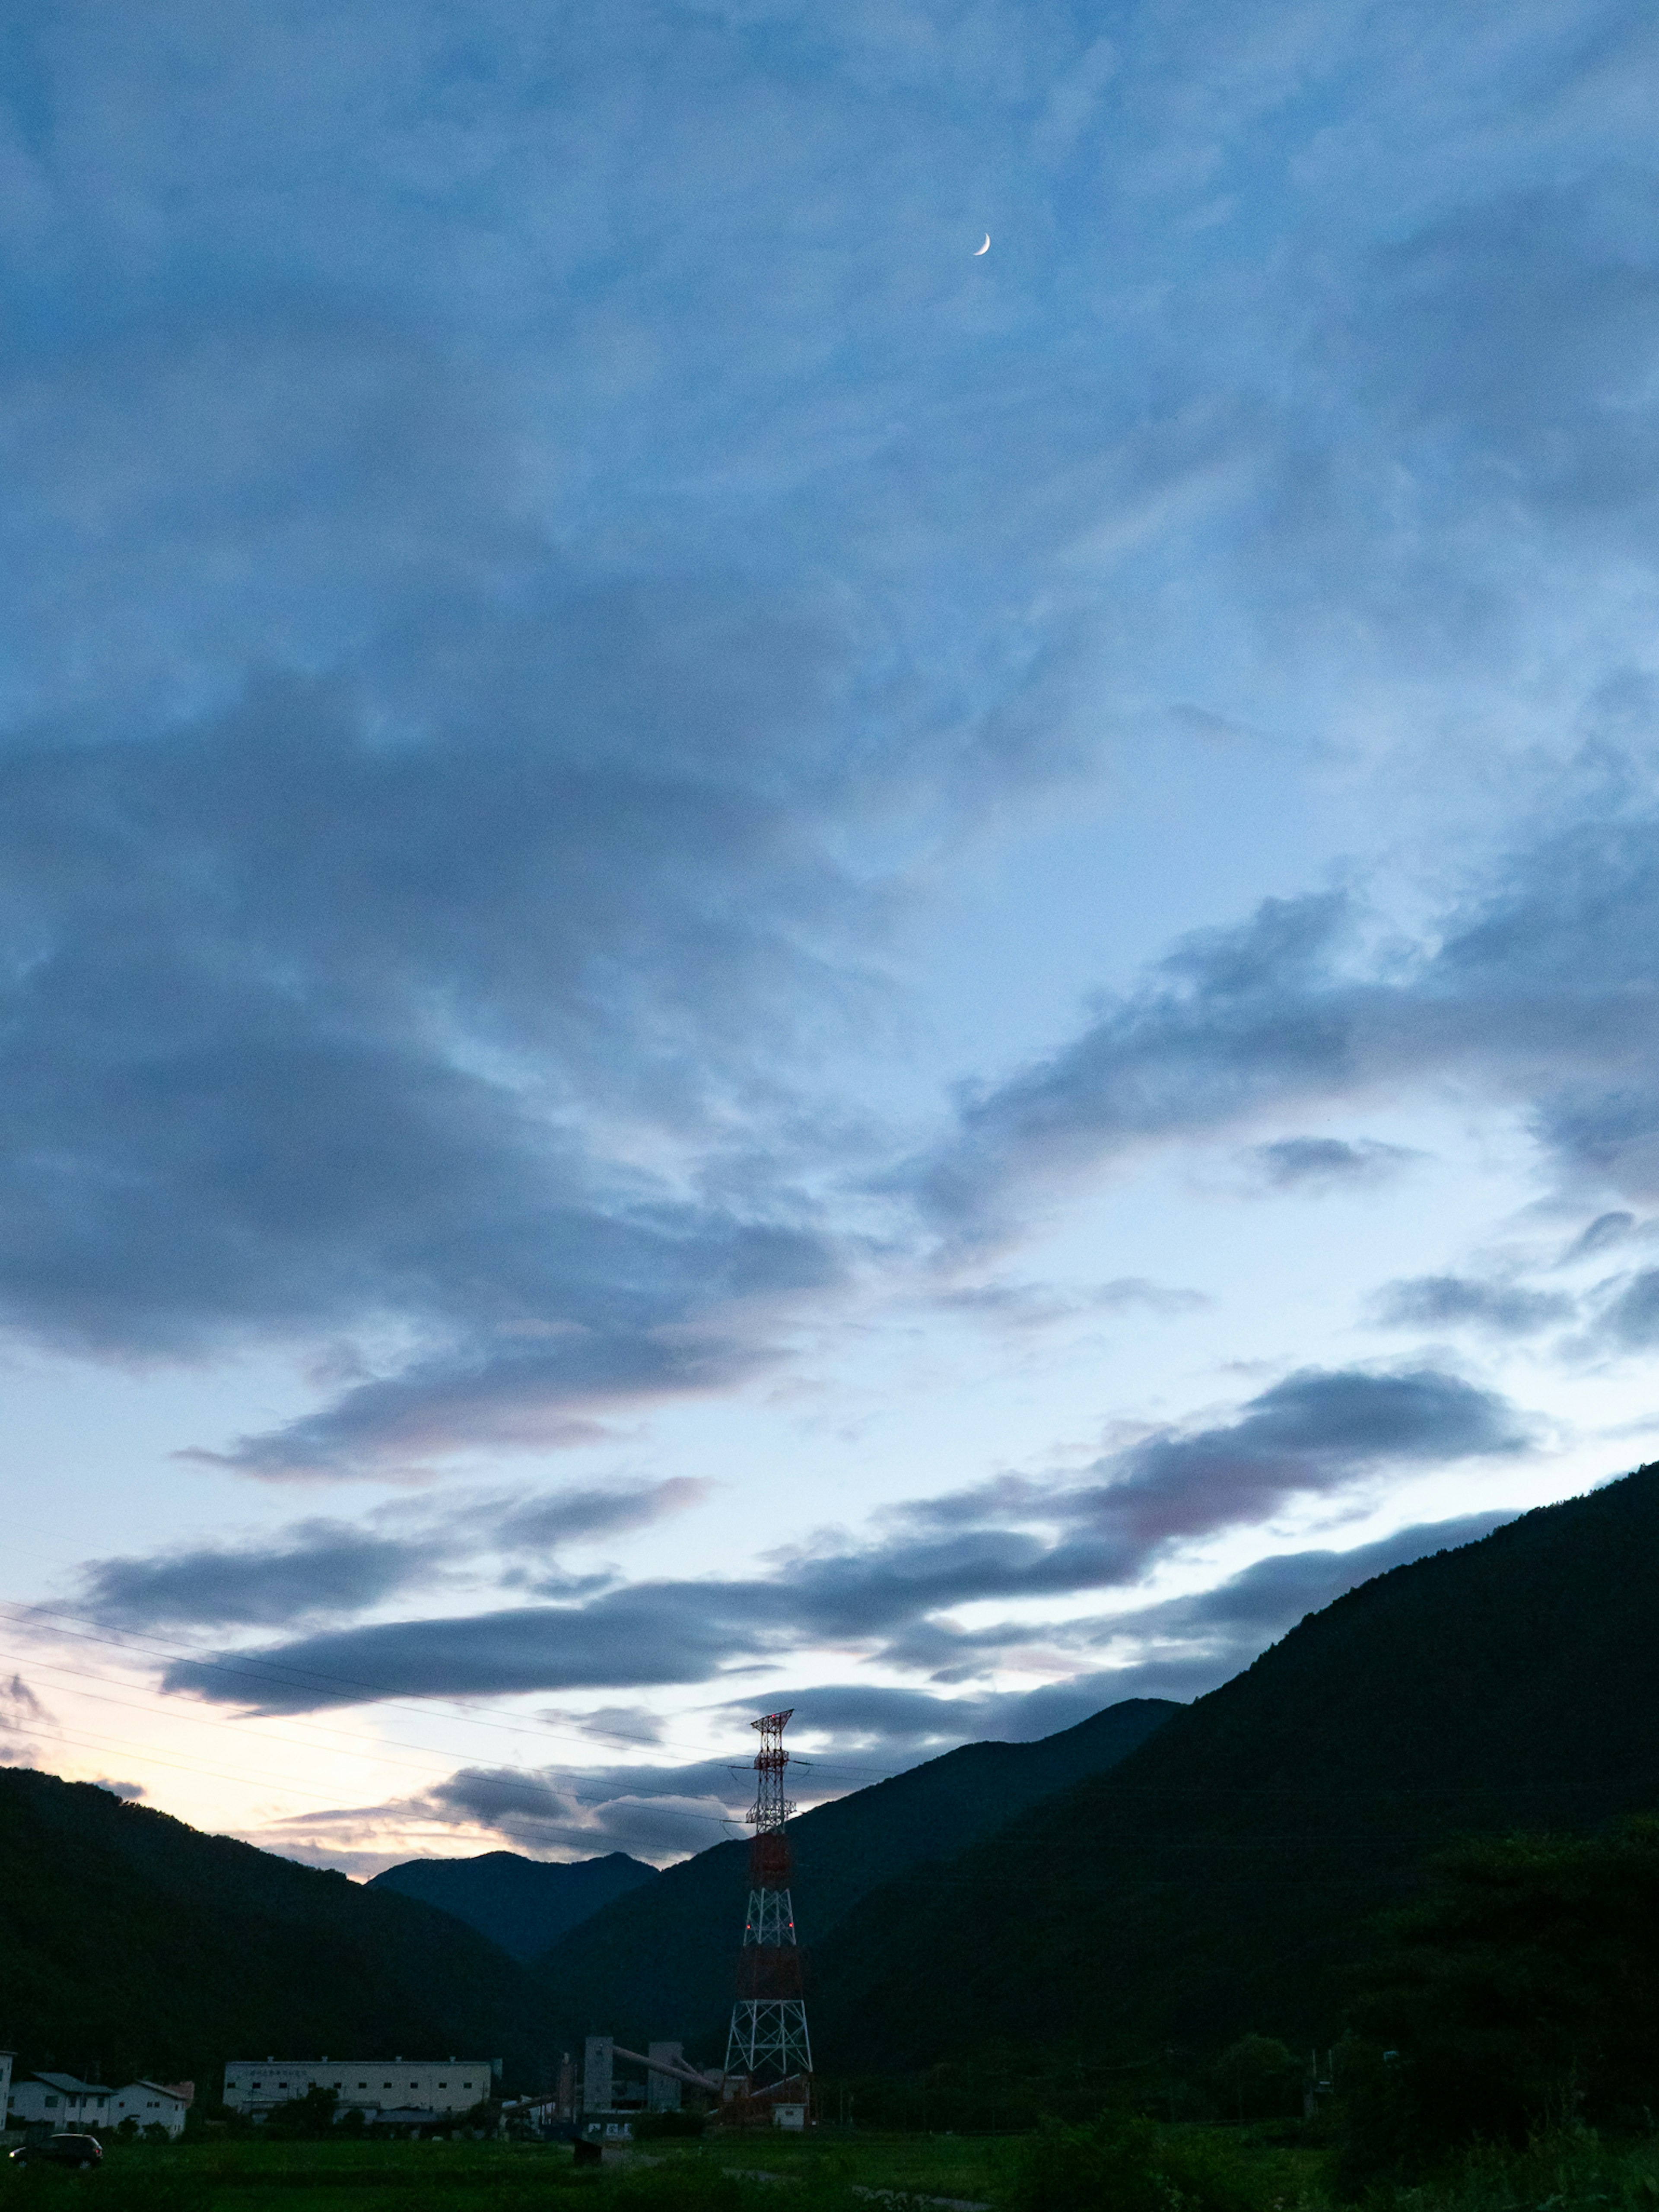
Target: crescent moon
x=986, y=248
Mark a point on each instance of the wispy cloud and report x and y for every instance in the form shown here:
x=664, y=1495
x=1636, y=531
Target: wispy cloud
x=1535, y=994
x=853, y=1732
x=1458, y=1302
x=322, y=1570
x=1316, y=1434
x=1319, y=1163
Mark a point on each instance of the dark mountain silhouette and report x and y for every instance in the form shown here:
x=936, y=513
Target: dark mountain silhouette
x=1218, y=1879
x=522, y=1904
x=661, y=1962
x=135, y=1944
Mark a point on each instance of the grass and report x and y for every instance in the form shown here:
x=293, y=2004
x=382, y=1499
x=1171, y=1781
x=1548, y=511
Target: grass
x=723, y=2174
x=1570, y=2171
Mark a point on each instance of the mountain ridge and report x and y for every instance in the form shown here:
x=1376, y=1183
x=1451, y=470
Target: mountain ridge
x=1218, y=1880
x=524, y=1905
x=135, y=1944
x=661, y=1962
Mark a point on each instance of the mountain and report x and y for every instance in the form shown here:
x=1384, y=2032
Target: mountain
x=1218, y=1880
x=659, y=1962
x=134, y=1944
x=522, y=1904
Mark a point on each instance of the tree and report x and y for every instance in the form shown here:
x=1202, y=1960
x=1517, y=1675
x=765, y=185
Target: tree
x=1522, y=1992
x=1256, y=2079
x=310, y=2116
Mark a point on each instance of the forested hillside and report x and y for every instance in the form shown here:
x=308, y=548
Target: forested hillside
x=661, y=1962
x=1217, y=1880
x=132, y=1943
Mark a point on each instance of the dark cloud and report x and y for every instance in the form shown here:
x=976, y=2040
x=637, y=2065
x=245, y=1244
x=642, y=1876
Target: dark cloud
x=669, y=1817
x=609, y=1725
x=255, y=971
x=21, y=1711
x=1630, y=1322
x=1313, y=1434
x=1265, y=1599
x=1327, y=1163
x=320, y=1568
x=19, y=1702
x=1598, y=1235
x=1457, y=1302
x=570, y=1516
x=1183, y=1646
x=469, y=689
x=851, y=1734
x=1537, y=994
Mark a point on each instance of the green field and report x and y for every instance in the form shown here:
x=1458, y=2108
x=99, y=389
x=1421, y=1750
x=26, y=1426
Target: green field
x=1182, y=2169
x=738, y=2172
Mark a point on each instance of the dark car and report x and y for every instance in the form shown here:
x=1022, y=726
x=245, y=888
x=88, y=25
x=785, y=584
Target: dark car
x=83, y=2151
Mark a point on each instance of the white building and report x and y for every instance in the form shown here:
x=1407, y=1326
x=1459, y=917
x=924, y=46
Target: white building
x=151, y=2104
x=6, y=2058
x=441, y=2086
x=58, y=2100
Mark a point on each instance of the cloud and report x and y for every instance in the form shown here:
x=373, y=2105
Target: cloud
x=1182, y=1647
x=20, y=1712
x=1317, y=1433
x=1272, y=1595
x=1630, y=1321
x=474, y=701
x=1598, y=1235
x=674, y=1814
x=851, y=1734
x=607, y=1724
x=320, y=1569
x=1035, y=1305
x=267, y=1109
x=572, y=1515
x=1326, y=1163
x=1455, y=1302
x=1535, y=994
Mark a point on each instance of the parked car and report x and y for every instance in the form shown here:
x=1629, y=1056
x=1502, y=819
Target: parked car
x=84, y=2151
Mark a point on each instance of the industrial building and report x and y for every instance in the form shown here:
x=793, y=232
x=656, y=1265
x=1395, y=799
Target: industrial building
x=434, y=2088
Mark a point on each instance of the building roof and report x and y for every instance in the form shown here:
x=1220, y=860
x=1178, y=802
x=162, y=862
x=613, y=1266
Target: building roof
x=70, y=2084
x=294, y=2065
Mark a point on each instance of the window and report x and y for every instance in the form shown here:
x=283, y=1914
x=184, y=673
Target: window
x=51, y=2101
x=362, y=2085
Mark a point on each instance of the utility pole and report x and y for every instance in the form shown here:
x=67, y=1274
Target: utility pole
x=768, y=2040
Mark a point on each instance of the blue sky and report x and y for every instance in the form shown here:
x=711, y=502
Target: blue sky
x=749, y=961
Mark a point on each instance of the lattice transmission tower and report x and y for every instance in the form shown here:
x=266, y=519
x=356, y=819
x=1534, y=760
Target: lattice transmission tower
x=768, y=2040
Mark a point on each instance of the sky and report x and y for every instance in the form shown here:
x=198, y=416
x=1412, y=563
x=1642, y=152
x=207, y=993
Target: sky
x=746, y=960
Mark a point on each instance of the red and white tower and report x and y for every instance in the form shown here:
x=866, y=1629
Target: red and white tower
x=768, y=2040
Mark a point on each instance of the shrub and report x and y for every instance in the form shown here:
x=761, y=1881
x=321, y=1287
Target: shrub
x=1118, y=2164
